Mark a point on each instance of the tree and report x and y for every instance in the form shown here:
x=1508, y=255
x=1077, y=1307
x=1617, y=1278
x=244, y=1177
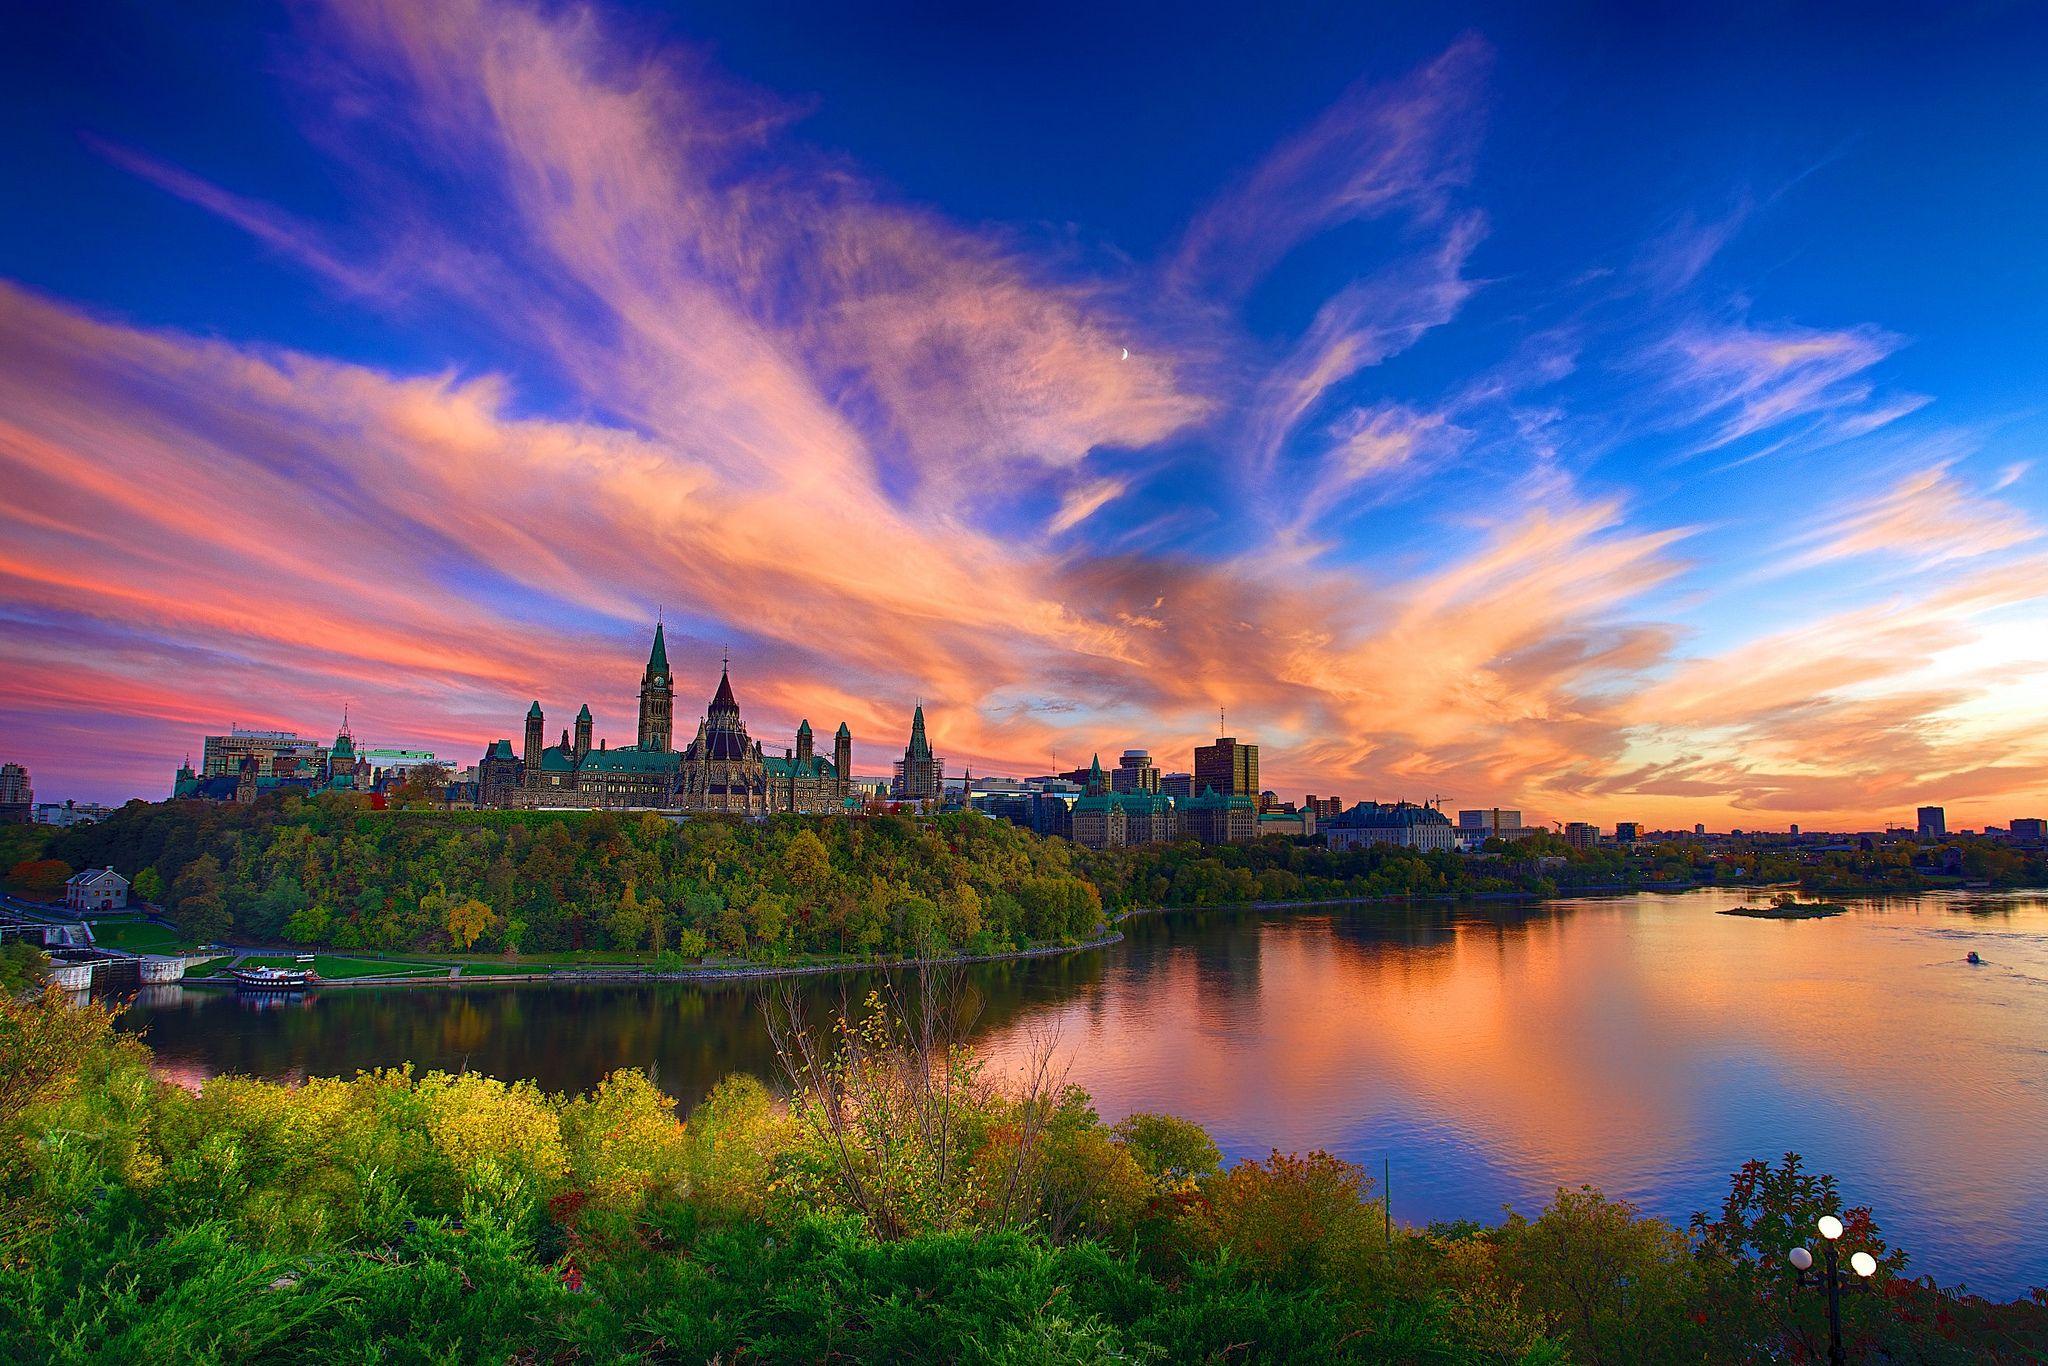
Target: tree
x=1170, y=1149
x=1612, y=1283
x=468, y=921
x=425, y=785
x=40, y=879
x=198, y=902
x=806, y=863
x=149, y=885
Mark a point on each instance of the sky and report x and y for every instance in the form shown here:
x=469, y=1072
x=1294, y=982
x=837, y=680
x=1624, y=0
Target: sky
x=1610, y=414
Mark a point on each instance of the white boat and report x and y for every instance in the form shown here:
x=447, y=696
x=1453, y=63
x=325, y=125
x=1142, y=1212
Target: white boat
x=274, y=979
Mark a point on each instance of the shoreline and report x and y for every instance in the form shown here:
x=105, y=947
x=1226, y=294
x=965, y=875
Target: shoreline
x=623, y=974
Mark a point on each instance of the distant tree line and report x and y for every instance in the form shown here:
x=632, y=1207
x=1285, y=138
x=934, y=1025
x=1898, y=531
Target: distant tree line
x=330, y=871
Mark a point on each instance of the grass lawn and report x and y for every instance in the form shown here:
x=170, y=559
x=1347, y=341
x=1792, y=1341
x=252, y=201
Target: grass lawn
x=136, y=936
x=210, y=966
x=336, y=968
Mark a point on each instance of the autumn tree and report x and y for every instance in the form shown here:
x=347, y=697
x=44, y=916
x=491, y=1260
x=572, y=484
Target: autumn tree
x=468, y=921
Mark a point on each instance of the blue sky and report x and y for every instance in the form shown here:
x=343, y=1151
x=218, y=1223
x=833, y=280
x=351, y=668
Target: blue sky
x=1619, y=415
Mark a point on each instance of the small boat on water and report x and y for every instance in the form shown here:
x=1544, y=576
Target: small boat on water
x=274, y=979
x=1973, y=958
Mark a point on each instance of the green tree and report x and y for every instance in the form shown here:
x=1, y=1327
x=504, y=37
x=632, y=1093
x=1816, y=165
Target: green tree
x=198, y=901
x=149, y=885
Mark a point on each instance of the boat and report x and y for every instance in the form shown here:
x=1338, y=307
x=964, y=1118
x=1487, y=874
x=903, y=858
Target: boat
x=1973, y=958
x=274, y=979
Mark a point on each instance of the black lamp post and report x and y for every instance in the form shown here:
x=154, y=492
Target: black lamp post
x=1862, y=1263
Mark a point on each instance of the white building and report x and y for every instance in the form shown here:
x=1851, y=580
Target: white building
x=96, y=889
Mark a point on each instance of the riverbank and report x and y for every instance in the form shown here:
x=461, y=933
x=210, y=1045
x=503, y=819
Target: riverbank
x=625, y=974
x=460, y=974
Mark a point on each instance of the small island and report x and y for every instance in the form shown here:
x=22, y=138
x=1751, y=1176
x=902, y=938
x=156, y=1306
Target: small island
x=1786, y=906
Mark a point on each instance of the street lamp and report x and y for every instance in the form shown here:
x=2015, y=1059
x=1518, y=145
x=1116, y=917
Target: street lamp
x=1862, y=1263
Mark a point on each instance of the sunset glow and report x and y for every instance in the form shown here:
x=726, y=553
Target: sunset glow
x=1535, y=428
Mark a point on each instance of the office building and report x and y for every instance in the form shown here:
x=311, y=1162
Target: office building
x=1227, y=767
x=1933, y=822
x=1135, y=772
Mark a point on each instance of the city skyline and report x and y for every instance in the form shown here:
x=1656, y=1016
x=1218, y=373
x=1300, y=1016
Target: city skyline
x=1623, y=434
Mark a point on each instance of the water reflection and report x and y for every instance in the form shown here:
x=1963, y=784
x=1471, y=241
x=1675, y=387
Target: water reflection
x=1491, y=1052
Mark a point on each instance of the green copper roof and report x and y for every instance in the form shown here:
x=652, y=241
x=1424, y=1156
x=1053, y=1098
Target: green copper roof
x=844, y=731
x=555, y=759
x=584, y=715
x=533, y=712
x=803, y=727
x=657, y=658
x=787, y=768
x=500, y=749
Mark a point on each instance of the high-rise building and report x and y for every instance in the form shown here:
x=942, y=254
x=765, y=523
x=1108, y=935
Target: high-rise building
x=1493, y=820
x=1699, y=829
x=1179, y=786
x=1933, y=822
x=1325, y=808
x=17, y=798
x=1627, y=832
x=2027, y=827
x=1581, y=835
x=1227, y=767
x=1135, y=772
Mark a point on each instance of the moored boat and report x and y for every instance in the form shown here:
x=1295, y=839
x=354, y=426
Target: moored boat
x=274, y=979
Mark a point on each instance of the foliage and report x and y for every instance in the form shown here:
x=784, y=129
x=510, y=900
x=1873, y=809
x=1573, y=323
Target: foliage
x=22, y=965
x=40, y=879
x=331, y=871
x=396, y=1216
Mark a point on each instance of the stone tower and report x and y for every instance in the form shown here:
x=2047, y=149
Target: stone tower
x=583, y=731
x=804, y=748
x=536, y=741
x=842, y=758
x=657, y=699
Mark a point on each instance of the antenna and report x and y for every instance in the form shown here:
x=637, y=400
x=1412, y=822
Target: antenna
x=1219, y=723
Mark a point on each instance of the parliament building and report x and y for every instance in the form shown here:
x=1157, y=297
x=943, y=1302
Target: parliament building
x=721, y=769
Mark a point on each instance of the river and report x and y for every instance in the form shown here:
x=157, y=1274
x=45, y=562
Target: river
x=1485, y=1053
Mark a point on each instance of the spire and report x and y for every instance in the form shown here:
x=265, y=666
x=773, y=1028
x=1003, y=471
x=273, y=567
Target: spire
x=584, y=715
x=722, y=700
x=533, y=712
x=803, y=727
x=657, y=658
x=844, y=731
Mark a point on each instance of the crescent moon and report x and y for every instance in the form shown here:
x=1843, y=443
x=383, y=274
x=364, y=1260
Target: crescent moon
x=1127, y=353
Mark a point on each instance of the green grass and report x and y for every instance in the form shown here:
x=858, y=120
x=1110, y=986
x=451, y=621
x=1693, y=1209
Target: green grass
x=336, y=968
x=136, y=936
x=210, y=966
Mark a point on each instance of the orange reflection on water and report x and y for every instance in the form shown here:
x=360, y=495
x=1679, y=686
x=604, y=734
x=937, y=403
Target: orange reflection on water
x=1647, y=1045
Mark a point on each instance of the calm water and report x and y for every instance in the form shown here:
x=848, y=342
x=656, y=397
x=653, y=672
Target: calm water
x=1642, y=1044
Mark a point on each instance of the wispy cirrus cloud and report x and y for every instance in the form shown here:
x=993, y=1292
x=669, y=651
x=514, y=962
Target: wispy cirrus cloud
x=887, y=453
x=1382, y=147
x=1926, y=519
x=1742, y=381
